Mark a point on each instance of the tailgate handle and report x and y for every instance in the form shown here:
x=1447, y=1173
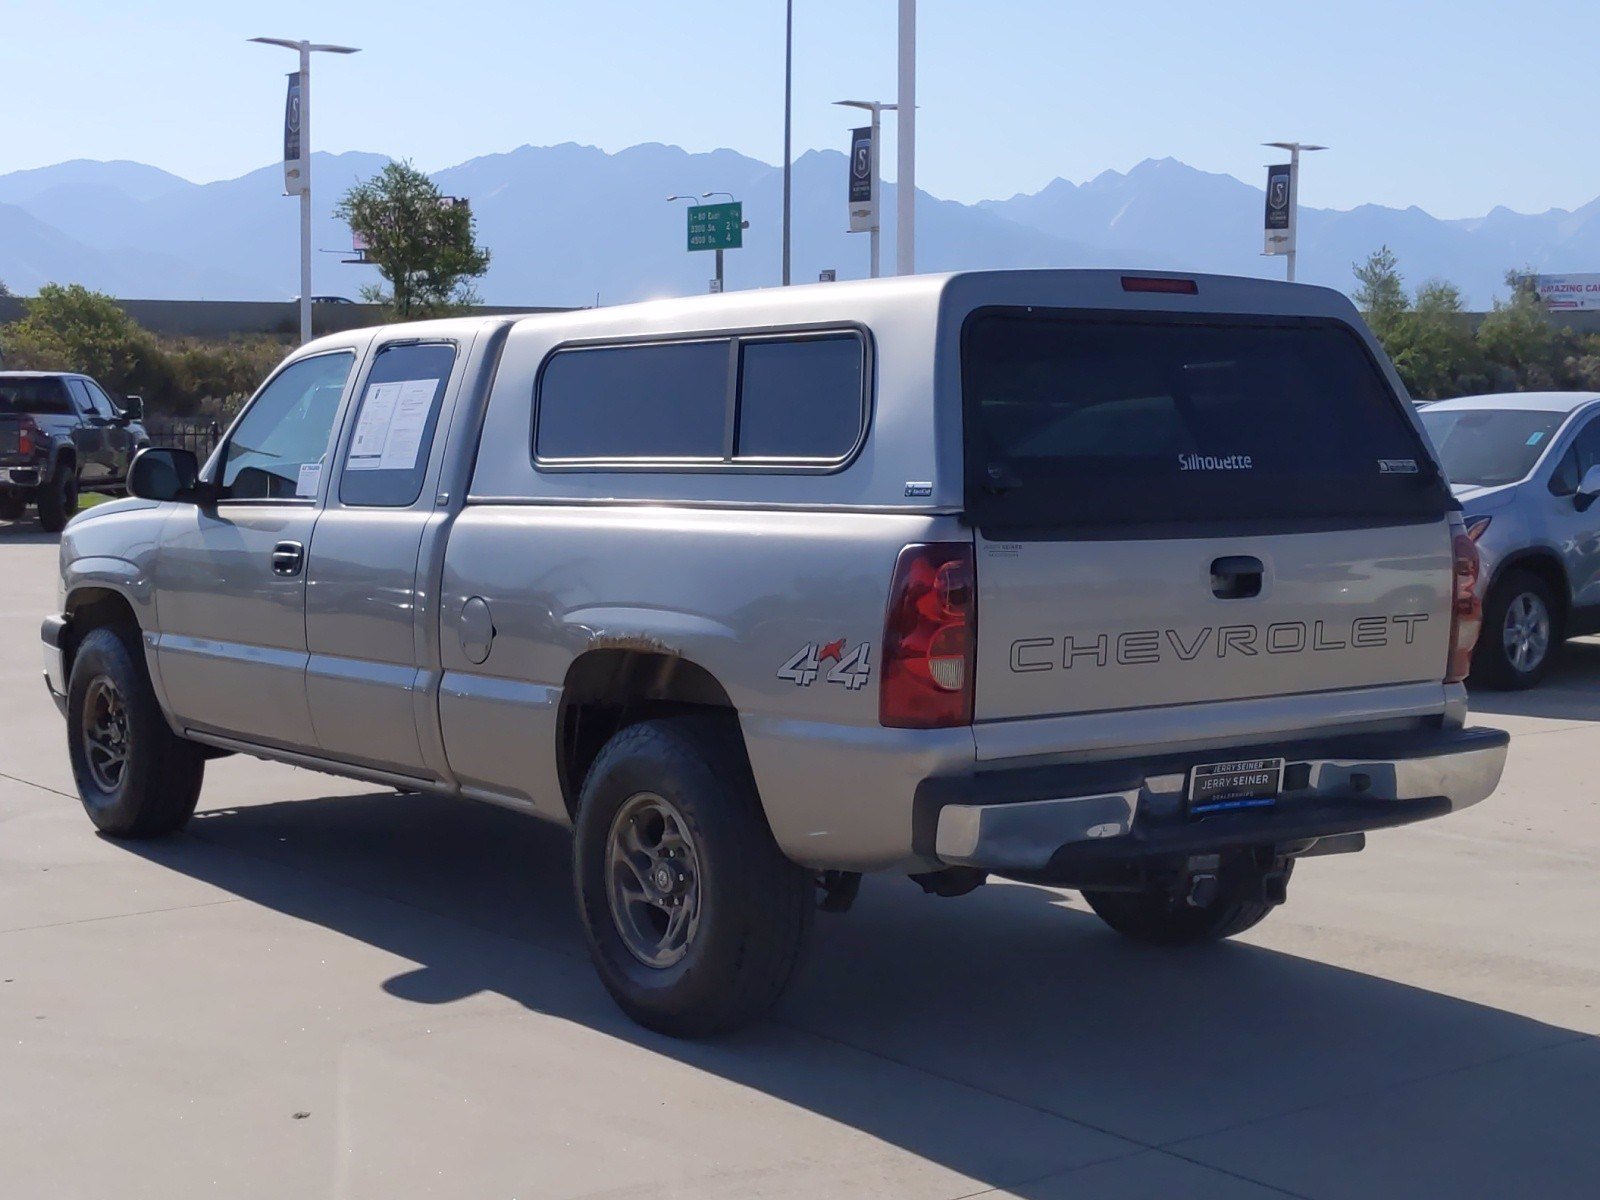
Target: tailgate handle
x=1236, y=577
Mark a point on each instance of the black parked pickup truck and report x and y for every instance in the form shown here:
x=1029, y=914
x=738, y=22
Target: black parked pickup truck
x=60, y=432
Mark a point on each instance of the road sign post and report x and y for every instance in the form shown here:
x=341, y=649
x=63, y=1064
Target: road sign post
x=716, y=227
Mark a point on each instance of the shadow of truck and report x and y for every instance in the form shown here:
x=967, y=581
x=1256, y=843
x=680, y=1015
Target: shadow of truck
x=994, y=1035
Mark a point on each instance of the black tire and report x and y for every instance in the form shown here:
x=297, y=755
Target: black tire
x=58, y=499
x=754, y=906
x=1497, y=666
x=12, y=507
x=1157, y=917
x=158, y=784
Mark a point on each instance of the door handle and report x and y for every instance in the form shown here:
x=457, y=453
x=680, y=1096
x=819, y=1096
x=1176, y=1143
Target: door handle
x=288, y=558
x=1236, y=577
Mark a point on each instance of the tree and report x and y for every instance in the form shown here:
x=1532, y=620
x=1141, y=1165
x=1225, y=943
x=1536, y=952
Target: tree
x=1433, y=347
x=70, y=328
x=1382, y=294
x=1524, y=349
x=5, y=292
x=421, y=244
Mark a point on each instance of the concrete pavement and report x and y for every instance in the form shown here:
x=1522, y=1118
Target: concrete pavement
x=322, y=989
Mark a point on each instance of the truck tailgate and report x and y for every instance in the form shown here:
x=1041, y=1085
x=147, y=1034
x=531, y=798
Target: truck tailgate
x=1077, y=626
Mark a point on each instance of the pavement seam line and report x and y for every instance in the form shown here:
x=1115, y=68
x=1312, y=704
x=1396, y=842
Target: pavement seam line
x=1204, y=1166
x=144, y=912
x=1414, y=1081
x=42, y=787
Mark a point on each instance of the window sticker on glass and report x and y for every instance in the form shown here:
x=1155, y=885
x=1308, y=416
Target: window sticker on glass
x=389, y=432
x=1535, y=437
x=309, y=480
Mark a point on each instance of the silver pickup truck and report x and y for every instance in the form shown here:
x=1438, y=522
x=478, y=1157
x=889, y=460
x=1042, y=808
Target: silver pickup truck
x=1147, y=586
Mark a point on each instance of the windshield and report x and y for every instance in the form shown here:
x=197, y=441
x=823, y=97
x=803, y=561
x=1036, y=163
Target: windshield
x=32, y=395
x=1076, y=420
x=1484, y=447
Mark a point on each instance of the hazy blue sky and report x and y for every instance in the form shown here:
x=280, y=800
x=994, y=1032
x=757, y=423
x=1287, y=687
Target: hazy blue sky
x=1452, y=106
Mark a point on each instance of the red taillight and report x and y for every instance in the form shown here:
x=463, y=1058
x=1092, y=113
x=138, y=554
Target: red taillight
x=1466, y=610
x=26, y=432
x=929, y=637
x=1153, y=283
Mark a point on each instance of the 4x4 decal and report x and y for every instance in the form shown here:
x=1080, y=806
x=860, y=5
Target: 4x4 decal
x=850, y=668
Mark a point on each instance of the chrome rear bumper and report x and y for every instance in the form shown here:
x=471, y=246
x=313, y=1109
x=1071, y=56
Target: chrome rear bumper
x=989, y=820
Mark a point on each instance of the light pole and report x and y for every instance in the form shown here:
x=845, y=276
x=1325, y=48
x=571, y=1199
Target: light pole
x=1294, y=149
x=905, y=257
x=788, y=130
x=305, y=49
x=876, y=108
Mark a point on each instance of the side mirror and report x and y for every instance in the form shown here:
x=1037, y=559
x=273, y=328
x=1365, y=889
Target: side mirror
x=1588, y=489
x=133, y=408
x=166, y=473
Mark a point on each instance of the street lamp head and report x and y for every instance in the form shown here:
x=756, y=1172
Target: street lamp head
x=708, y=195
x=682, y=196
x=1293, y=146
x=869, y=105
x=291, y=44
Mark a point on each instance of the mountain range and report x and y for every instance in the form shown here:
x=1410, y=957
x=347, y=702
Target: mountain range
x=573, y=225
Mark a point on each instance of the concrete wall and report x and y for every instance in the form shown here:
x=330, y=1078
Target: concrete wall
x=220, y=318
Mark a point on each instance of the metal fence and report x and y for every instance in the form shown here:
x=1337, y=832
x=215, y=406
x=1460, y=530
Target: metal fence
x=187, y=433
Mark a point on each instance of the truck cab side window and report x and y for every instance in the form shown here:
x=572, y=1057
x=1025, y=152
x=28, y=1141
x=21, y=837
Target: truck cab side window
x=80, y=397
x=277, y=449
x=100, y=402
x=387, y=458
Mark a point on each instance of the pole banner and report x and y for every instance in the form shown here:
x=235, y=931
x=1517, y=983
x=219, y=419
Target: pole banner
x=1280, y=210
x=293, y=178
x=863, y=171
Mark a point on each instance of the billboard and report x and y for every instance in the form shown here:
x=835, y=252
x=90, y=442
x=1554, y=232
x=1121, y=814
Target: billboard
x=1279, y=224
x=1568, y=292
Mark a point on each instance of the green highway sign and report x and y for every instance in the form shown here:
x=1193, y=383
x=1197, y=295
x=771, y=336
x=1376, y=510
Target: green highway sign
x=716, y=226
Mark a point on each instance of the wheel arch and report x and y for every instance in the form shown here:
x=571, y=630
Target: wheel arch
x=606, y=690
x=91, y=606
x=1542, y=562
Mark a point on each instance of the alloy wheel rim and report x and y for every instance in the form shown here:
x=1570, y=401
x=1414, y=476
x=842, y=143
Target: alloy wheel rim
x=1526, y=635
x=105, y=733
x=653, y=880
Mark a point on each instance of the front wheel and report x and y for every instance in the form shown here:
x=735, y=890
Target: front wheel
x=694, y=918
x=136, y=778
x=1521, y=633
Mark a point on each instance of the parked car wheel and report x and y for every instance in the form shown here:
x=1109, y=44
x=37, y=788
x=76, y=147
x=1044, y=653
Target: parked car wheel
x=58, y=499
x=1522, y=633
x=1158, y=917
x=12, y=506
x=136, y=778
x=694, y=918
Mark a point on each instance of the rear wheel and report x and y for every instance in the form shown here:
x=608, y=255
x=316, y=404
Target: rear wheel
x=1521, y=633
x=58, y=499
x=136, y=778
x=1163, y=916
x=694, y=918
